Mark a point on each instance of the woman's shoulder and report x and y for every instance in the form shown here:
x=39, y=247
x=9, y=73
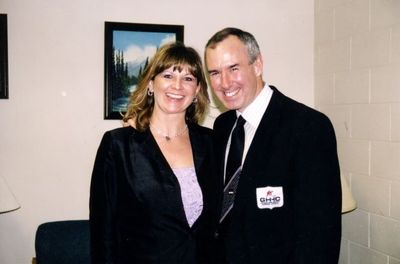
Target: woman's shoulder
x=121, y=131
x=200, y=129
x=121, y=134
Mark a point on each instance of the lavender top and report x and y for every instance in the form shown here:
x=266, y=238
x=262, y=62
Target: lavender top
x=192, y=197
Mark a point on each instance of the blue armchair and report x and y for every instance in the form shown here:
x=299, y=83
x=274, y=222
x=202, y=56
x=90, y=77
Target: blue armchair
x=63, y=242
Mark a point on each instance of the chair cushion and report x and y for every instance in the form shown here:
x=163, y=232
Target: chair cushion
x=63, y=242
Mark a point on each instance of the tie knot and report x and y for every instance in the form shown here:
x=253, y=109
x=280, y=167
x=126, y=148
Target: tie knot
x=240, y=121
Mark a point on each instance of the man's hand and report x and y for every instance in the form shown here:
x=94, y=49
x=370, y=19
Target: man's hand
x=129, y=122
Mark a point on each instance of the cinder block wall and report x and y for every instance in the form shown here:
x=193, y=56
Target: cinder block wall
x=357, y=84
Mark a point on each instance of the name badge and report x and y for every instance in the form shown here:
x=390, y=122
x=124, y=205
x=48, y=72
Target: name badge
x=269, y=197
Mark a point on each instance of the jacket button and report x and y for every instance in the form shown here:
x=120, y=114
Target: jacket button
x=216, y=234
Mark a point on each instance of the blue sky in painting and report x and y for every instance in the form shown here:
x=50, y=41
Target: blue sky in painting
x=139, y=45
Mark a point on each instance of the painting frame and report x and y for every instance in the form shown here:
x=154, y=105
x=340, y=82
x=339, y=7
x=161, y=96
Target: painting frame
x=3, y=57
x=127, y=49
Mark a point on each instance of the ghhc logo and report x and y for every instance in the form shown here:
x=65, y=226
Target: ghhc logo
x=270, y=198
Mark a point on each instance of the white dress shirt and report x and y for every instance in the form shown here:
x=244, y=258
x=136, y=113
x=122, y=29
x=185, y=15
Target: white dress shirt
x=253, y=115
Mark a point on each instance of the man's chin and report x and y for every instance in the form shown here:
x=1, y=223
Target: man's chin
x=231, y=104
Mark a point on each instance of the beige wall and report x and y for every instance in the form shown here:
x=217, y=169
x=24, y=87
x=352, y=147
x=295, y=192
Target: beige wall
x=52, y=123
x=357, y=84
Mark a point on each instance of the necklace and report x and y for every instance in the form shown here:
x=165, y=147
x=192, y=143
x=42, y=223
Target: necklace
x=165, y=135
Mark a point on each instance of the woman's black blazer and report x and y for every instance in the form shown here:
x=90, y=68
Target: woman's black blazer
x=136, y=210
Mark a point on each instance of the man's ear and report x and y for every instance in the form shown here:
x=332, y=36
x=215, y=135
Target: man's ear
x=258, y=65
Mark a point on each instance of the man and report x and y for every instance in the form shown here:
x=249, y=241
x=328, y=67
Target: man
x=287, y=203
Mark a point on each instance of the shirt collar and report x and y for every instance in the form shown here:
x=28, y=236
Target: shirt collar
x=256, y=109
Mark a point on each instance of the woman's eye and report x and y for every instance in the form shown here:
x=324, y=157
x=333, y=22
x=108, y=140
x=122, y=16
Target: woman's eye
x=167, y=75
x=189, y=79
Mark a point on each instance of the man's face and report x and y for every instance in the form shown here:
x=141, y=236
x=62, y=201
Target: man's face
x=234, y=80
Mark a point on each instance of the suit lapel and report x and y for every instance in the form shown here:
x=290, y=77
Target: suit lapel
x=221, y=135
x=259, y=151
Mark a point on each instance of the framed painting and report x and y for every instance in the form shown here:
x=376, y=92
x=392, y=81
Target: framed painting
x=128, y=49
x=3, y=57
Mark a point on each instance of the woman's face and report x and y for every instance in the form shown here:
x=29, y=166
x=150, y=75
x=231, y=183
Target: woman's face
x=174, y=90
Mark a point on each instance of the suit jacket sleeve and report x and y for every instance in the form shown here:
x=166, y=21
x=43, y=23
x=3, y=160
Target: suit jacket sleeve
x=317, y=193
x=102, y=203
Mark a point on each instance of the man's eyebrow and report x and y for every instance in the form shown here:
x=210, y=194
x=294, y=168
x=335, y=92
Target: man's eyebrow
x=228, y=67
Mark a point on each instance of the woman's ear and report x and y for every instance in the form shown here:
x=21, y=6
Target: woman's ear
x=198, y=89
x=150, y=86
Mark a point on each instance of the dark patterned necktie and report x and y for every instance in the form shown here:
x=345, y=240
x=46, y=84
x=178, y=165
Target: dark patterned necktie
x=233, y=166
x=235, y=154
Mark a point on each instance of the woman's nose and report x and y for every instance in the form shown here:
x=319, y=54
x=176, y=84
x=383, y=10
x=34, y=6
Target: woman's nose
x=177, y=84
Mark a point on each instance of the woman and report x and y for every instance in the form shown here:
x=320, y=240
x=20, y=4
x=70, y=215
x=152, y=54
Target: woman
x=153, y=194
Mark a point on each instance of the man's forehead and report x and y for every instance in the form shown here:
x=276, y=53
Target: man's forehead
x=225, y=58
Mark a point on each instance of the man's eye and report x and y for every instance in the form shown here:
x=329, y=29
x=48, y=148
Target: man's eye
x=213, y=74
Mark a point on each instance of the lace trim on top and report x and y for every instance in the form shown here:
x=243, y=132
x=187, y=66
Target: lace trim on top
x=192, y=197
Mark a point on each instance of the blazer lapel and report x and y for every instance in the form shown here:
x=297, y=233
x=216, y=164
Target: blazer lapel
x=145, y=143
x=198, y=150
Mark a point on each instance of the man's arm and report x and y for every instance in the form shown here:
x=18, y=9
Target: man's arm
x=317, y=193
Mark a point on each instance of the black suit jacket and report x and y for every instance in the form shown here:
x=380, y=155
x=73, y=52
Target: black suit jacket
x=136, y=210
x=294, y=148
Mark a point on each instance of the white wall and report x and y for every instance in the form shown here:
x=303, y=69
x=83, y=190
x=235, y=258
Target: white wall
x=358, y=86
x=53, y=121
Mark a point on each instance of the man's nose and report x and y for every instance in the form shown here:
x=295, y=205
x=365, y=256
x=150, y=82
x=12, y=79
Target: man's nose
x=225, y=80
